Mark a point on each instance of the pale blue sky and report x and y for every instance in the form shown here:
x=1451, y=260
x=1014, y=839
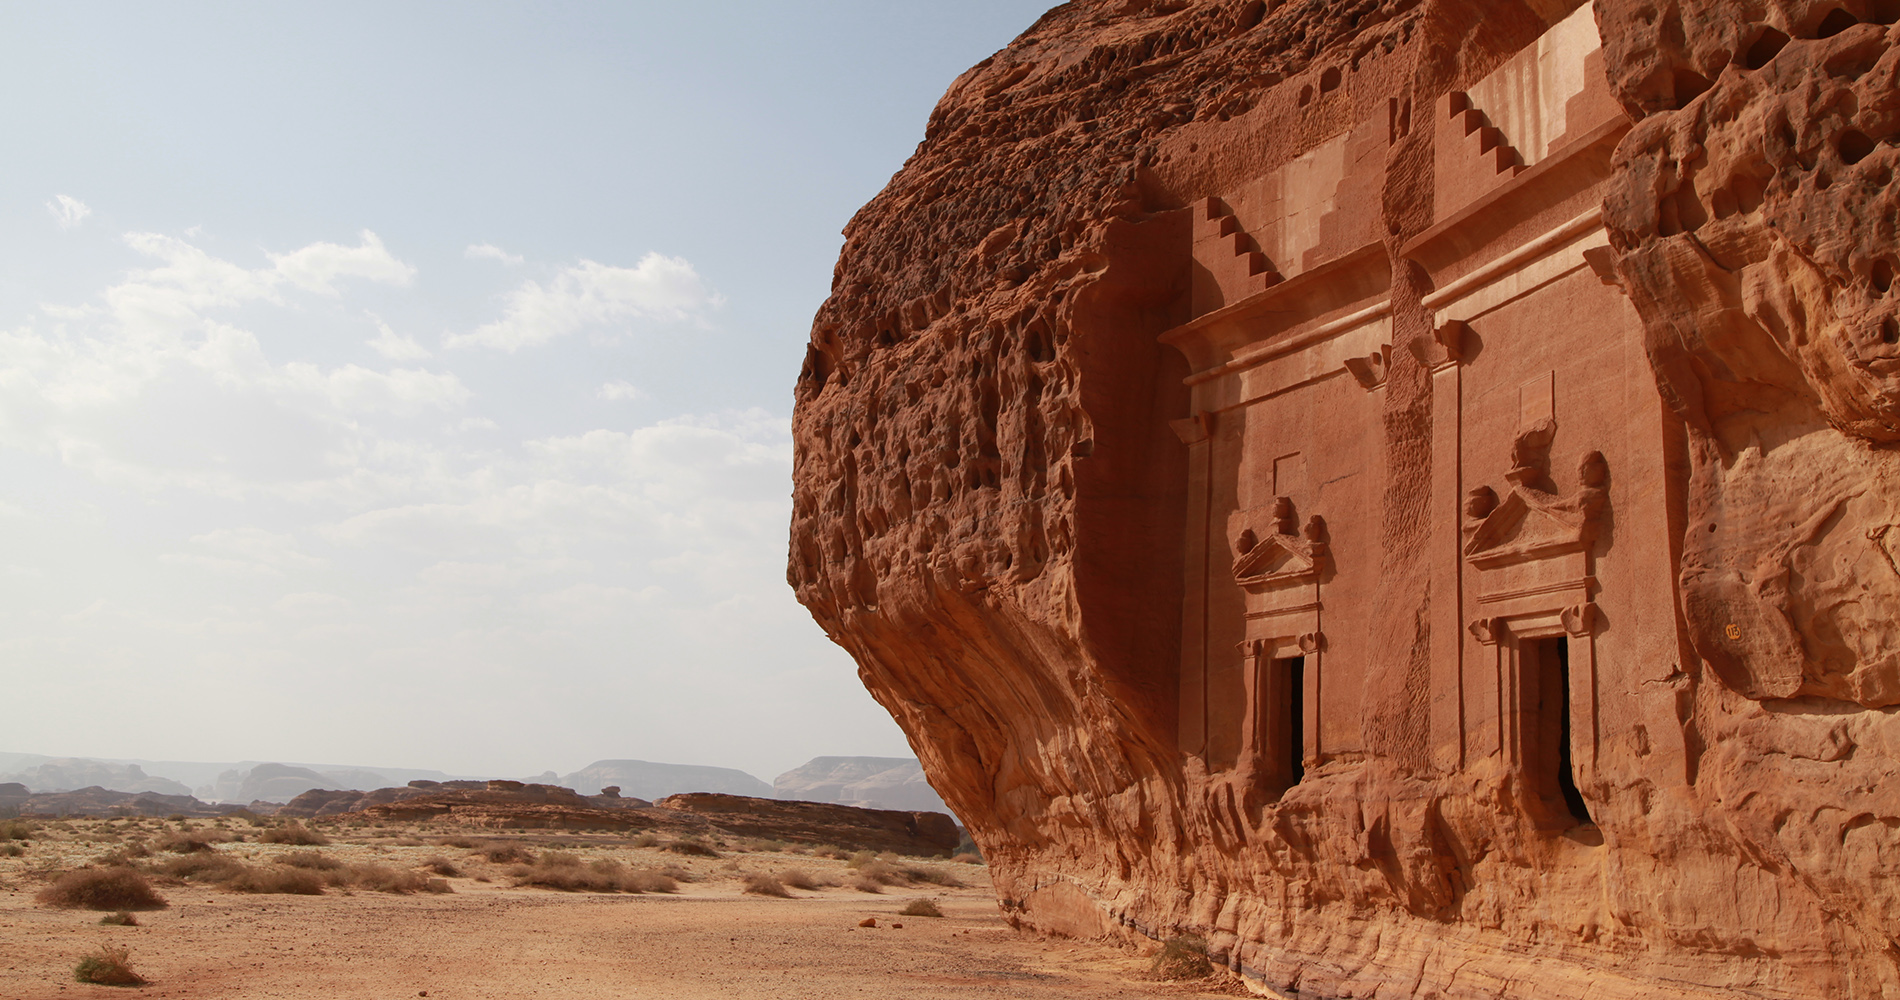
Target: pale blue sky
x=409, y=384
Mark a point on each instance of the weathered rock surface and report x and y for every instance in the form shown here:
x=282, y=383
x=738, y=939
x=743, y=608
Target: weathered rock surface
x=518, y=805
x=1405, y=489
x=904, y=831
x=96, y=801
x=867, y=782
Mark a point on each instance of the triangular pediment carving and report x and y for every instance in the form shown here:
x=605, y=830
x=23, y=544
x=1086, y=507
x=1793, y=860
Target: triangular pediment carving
x=1530, y=523
x=1277, y=559
x=1278, y=556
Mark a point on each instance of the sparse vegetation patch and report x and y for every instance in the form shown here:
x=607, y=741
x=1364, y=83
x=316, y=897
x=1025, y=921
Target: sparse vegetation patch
x=920, y=908
x=110, y=965
x=115, y=888
x=1183, y=957
x=762, y=884
x=294, y=834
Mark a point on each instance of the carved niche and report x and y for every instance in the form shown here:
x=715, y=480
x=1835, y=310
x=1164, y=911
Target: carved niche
x=1280, y=570
x=1533, y=549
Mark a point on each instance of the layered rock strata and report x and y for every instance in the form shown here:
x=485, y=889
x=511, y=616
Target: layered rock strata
x=1403, y=489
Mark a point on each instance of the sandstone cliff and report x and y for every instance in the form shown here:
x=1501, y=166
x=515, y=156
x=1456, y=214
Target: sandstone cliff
x=1185, y=456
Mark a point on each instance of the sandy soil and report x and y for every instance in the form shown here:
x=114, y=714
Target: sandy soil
x=489, y=939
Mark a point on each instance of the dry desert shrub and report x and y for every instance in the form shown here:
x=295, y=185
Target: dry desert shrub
x=646, y=838
x=117, y=888
x=677, y=873
x=122, y=918
x=761, y=884
x=935, y=876
x=126, y=853
x=830, y=851
x=881, y=872
x=920, y=908
x=379, y=878
x=267, y=879
x=11, y=850
x=865, y=884
x=441, y=866
x=650, y=880
x=502, y=852
x=860, y=859
x=294, y=834
x=1183, y=957
x=465, y=843
x=313, y=860
x=109, y=965
x=799, y=878
x=692, y=846
x=17, y=830
x=565, y=872
x=191, y=841
x=210, y=867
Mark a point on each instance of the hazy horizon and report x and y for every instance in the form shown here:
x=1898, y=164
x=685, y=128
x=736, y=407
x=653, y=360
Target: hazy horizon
x=414, y=383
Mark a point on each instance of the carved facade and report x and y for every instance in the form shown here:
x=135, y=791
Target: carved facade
x=1557, y=594
x=1403, y=489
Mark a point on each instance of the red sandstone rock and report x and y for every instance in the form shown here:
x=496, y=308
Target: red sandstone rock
x=822, y=822
x=1405, y=490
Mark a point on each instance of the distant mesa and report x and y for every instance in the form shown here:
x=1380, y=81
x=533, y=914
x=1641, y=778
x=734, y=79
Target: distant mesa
x=66, y=774
x=282, y=782
x=866, y=782
x=644, y=779
x=77, y=786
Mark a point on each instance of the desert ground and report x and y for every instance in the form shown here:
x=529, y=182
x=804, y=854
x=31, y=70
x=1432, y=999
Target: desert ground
x=481, y=933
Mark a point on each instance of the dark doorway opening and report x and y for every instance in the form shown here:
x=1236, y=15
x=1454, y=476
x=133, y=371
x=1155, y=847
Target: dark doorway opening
x=1293, y=723
x=1553, y=685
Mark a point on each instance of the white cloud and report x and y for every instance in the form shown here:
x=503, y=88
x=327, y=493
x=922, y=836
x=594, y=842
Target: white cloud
x=152, y=387
x=489, y=251
x=311, y=602
x=68, y=211
x=316, y=267
x=620, y=389
x=659, y=288
x=394, y=346
x=246, y=552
